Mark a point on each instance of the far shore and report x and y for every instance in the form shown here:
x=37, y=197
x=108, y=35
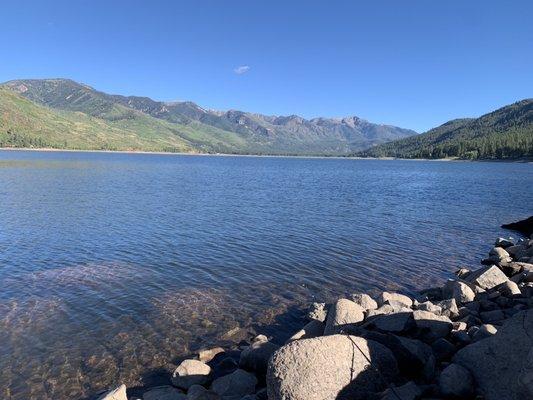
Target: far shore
x=51, y=150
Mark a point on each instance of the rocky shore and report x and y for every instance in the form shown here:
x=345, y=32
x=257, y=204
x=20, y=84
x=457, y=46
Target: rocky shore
x=472, y=338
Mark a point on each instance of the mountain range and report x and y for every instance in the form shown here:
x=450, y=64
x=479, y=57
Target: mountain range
x=61, y=113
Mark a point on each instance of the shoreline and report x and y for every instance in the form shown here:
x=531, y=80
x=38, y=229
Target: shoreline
x=54, y=150
x=469, y=338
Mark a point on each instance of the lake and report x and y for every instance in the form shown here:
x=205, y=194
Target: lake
x=113, y=266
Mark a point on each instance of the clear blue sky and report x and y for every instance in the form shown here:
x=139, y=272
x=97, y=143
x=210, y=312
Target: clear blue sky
x=412, y=63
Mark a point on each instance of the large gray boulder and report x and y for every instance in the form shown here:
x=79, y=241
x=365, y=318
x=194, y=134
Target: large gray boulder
x=502, y=365
x=237, y=384
x=498, y=254
x=365, y=301
x=119, y=393
x=487, y=277
x=191, y=372
x=393, y=323
x=332, y=367
x=165, y=392
x=256, y=356
x=343, y=316
x=460, y=291
x=456, y=381
x=401, y=298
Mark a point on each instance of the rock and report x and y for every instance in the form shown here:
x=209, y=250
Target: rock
x=524, y=226
x=388, y=308
x=384, y=296
x=239, y=383
x=487, y=277
x=461, y=337
x=224, y=367
x=460, y=291
x=164, y=393
x=503, y=242
x=409, y=391
x=449, y=308
x=498, y=254
x=365, y=301
x=429, y=306
x=509, y=289
x=332, y=367
x=431, y=326
x=119, y=393
x=434, y=293
x=492, y=316
x=256, y=356
x=317, y=311
x=197, y=392
x=207, y=355
x=456, y=381
x=483, y=332
x=191, y=372
x=502, y=365
x=462, y=272
x=459, y=326
x=312, y=329
x=395, y=323
x=343, y=316
x=443, y=349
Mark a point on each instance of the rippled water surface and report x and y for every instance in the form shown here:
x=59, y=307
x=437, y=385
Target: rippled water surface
x=112, y=266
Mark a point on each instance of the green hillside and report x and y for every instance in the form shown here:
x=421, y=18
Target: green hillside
x=24, y=123
x=506, y=133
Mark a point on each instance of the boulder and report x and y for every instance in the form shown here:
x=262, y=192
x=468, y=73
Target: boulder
x=343, y=316
x=197, y=392
x=503, y=242
x=365, y=301
x=509, y=289
x=409, y=391
x=456, y=381
x=395, y=323
x=237, y=384
x=384, y=296
x=502, y=365
x=207, y=355
x=431, y=326
x=498, y=254
x=312, y=329
x=332, y=367
x=449, y=308
x=460, y=291
x=256, y=356
x=191, y=372
x=164, y=393
x=487, y=277
x=429, y=306
x=524, y=226
x=388, y=308
x=119, y=393
x=317, y=311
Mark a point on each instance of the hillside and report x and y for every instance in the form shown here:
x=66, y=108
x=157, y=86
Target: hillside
x=204, y=130
x=506, y=133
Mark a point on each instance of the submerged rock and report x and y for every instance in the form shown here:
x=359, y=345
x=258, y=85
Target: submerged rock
x=332, y=367
x=318, y=312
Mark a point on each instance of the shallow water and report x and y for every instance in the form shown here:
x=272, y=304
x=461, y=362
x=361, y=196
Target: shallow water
x=112, y=266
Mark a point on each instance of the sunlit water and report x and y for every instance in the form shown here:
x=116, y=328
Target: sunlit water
x=112, y=266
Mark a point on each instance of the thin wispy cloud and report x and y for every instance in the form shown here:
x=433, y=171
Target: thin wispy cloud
x=242, y=69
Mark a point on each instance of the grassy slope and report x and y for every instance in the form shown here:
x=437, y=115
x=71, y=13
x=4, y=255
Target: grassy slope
x=504, y=133
x=24, y=123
